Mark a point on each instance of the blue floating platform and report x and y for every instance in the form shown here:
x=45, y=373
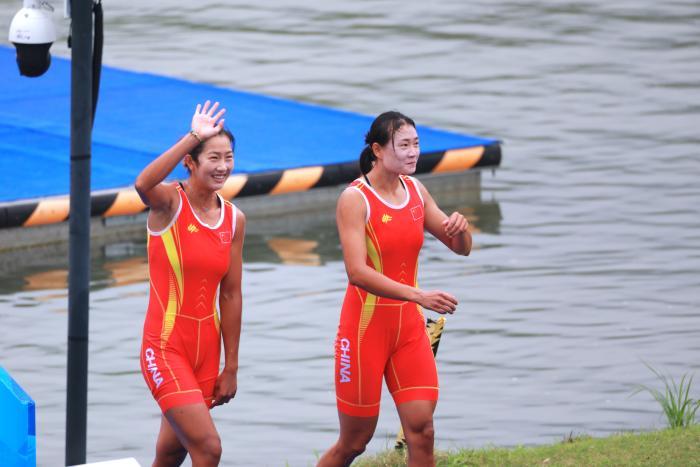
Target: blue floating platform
x=139, y=115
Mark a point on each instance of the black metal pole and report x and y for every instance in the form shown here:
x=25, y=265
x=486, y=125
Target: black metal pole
x=79, y=227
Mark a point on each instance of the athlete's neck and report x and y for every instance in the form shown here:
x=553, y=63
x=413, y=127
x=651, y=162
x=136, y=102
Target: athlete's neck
x=201, y=199
x=388, y=184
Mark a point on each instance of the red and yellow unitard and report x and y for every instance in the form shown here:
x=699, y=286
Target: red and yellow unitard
x=381, y=337
x=181, y=335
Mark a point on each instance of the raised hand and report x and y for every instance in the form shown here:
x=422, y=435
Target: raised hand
x=205, y=123
x=455, y=224
x=437, y=300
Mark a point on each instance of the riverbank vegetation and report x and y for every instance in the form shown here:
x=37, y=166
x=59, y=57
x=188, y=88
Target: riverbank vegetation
x=678, y=445
x=674, y=398
x=670, y=447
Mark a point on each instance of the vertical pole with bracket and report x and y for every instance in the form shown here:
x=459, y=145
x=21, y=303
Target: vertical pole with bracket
x=79, y=231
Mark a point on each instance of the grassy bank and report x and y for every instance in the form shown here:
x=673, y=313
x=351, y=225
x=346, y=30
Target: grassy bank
x=671, y=447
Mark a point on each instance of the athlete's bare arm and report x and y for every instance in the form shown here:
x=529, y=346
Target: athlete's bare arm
x=453, y=231
x=350, y=216
x=231, y=307
x=163, y=198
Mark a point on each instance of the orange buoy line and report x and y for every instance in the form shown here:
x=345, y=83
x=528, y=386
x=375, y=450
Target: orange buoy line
x=126, y=202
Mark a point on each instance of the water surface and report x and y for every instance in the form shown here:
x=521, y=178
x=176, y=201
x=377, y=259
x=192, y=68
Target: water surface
x=587, y=255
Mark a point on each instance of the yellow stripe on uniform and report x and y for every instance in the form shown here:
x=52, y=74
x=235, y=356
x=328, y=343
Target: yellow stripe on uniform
x=216, y=315
x=175, y=282
x=172, y=250
x=367, y=312
x=371, y=300
x=373, y=254
x=170, y=311
x=373, y=250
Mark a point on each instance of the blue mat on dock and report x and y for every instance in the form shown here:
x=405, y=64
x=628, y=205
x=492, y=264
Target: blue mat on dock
x=139, y=115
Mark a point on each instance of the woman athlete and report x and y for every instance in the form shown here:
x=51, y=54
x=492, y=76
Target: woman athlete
x=381, y=217
x=195, y=239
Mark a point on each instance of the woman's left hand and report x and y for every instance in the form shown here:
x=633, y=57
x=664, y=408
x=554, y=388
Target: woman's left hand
x=205, y=123
x=455, y=224
x=225, y=388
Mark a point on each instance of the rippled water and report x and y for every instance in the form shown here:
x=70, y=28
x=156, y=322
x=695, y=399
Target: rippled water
x=587, y=263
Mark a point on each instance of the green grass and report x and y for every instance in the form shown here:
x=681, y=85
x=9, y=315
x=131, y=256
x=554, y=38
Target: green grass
x=670, y=447
x=675, y=400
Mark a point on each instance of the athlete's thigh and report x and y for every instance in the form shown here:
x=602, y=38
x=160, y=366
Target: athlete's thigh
x=411, y=373
x=413, y=365
x=191, y=423
x=416, y=414
x=359, y=367
x=168, y=445
x=207, y=369
x=356, y=429
x=170, y=377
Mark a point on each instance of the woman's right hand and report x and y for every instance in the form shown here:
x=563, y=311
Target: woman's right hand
x=437, y=300
x=205, y=123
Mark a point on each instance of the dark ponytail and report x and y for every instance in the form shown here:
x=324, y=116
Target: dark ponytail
x=367, y=159
x=381, y=132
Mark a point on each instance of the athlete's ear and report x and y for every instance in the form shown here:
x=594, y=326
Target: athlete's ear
x=188, y=163
x=377, y=150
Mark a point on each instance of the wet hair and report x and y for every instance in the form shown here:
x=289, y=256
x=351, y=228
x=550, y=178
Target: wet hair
x=194, y=154
x=381, y=132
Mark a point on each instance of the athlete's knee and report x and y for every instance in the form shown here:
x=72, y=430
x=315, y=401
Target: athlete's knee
x=357, y=448
x=207, y=450
x=423, y=433
x=212, y=446
x=428, y=432
x=353, y=447
x=169, y=456
x=168, y=453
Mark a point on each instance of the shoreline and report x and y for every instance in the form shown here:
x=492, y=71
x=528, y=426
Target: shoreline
x=679, y=446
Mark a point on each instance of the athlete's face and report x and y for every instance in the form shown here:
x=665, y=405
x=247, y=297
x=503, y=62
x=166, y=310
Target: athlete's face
x=401, y=155
x=214, y=163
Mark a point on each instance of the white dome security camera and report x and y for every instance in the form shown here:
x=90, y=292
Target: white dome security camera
x=32, y=32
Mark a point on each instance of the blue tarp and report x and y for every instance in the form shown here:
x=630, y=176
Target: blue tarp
x=139, y=115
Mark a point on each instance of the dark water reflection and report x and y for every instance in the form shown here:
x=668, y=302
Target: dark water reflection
x=312, y=243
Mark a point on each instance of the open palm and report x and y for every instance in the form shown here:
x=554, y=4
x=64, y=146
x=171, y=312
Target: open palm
x=205, y=122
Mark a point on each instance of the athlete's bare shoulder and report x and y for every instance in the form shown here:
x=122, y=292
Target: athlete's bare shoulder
x=419, y=185
x=351, y=197
x=240, y=216
x=161, y=215
x=352, y=204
